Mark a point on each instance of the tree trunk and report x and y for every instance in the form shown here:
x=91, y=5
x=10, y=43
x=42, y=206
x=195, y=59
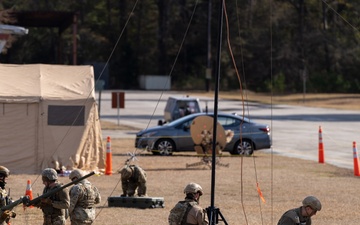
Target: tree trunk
x=163, y=18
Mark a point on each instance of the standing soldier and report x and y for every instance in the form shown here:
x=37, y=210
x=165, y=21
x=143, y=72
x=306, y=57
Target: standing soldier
x=133, y=177
x=83, y=197
x=55, y=207
x=4, y=198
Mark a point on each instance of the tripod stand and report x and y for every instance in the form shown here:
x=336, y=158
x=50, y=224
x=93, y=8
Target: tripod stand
x=213, y=215
x=204, y=149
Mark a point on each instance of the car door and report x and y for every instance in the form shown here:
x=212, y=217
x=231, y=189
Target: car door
x=184, y=141
x=229, y=123
x=233, y=124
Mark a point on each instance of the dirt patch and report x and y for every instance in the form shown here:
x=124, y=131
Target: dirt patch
x=284, y=182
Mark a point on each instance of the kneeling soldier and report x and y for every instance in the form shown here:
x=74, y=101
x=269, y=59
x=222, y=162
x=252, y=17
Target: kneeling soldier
x=133, y=177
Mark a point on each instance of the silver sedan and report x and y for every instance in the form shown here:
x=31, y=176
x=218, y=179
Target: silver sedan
x=175, y=136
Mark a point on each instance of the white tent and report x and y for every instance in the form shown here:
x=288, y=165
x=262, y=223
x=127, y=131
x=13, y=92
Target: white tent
x=49, y=118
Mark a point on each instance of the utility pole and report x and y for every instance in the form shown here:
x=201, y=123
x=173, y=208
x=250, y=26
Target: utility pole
x=303, y=60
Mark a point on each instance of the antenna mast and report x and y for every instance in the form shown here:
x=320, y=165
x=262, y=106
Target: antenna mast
x=213, y=212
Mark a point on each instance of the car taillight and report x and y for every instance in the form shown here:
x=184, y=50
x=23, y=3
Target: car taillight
x=265, y=129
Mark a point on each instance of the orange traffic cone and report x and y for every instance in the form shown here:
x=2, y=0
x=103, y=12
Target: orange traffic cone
x=108, y=166
x=356, y=160
x=321, y=147
x=28, y=191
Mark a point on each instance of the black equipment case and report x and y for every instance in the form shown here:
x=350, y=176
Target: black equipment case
x=136, y=202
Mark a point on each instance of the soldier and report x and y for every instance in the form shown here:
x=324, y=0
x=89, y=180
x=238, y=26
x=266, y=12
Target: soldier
x=55, y=207
x=303, y=214
x=189, y=211
x=83, y=197
x=133, y=177
x=4, y=198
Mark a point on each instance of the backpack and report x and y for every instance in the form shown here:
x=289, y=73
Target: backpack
x=178, y=214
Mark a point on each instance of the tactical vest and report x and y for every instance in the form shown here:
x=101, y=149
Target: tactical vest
x=87, y=197
x=4, y=200
x=49, y=210
x=135, y=175
x=178, y=214
x=295, y=217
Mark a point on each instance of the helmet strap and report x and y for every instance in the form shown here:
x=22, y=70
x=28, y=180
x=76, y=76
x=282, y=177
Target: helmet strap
x=2, y=184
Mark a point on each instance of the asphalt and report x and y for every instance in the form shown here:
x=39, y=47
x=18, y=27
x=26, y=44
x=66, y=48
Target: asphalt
x=294, y=130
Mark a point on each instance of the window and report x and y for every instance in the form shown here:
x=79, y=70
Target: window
x=227, y=121
x=60, y=115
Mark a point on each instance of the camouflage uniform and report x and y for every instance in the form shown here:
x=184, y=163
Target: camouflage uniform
x=193, y=213
x=189, y=212
x=133, y=177
x=83, y=197
x=293, y=217
x=3, y=202
x=296, y=217
x=55, y=207
x=4, y=198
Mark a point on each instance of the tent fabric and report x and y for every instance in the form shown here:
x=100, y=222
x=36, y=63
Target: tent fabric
x=49, y=118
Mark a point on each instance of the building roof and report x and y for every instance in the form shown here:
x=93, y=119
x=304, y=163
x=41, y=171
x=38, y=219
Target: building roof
x=60, y=19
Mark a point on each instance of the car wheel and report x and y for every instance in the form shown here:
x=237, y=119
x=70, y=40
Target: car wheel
x=245, y=147
x=164, y=147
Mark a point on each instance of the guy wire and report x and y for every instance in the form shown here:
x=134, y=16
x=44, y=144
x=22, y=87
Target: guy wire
x=243, y=102
x=271, y=115
x=243, y=108
x=175, y=61
x=338, y=14
x=102, y=71
x=177, y=56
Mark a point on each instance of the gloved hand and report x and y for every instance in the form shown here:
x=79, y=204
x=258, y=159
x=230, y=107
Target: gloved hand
x=46, y=201
x=6, y=214
x=12, y=214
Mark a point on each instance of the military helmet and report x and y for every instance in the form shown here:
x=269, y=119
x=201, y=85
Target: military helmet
x=193, y=188
x=313, y=202
x=126, y=172
x=76, y=174
x=50, y=174
x=4, y=171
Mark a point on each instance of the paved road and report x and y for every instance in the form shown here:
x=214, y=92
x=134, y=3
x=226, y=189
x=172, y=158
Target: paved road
x=295, y=130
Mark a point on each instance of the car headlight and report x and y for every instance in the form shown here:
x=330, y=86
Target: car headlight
x=150, y=134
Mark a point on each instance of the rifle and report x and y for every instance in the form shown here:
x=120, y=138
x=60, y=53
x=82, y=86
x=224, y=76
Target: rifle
x=13, y=204
x=27, y=202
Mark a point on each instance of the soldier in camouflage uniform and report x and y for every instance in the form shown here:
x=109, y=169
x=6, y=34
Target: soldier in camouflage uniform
x=302, y=215
x=189, y=212
x=83, y=197
x=4, y=198
x=55, y=208
x=133, y=177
